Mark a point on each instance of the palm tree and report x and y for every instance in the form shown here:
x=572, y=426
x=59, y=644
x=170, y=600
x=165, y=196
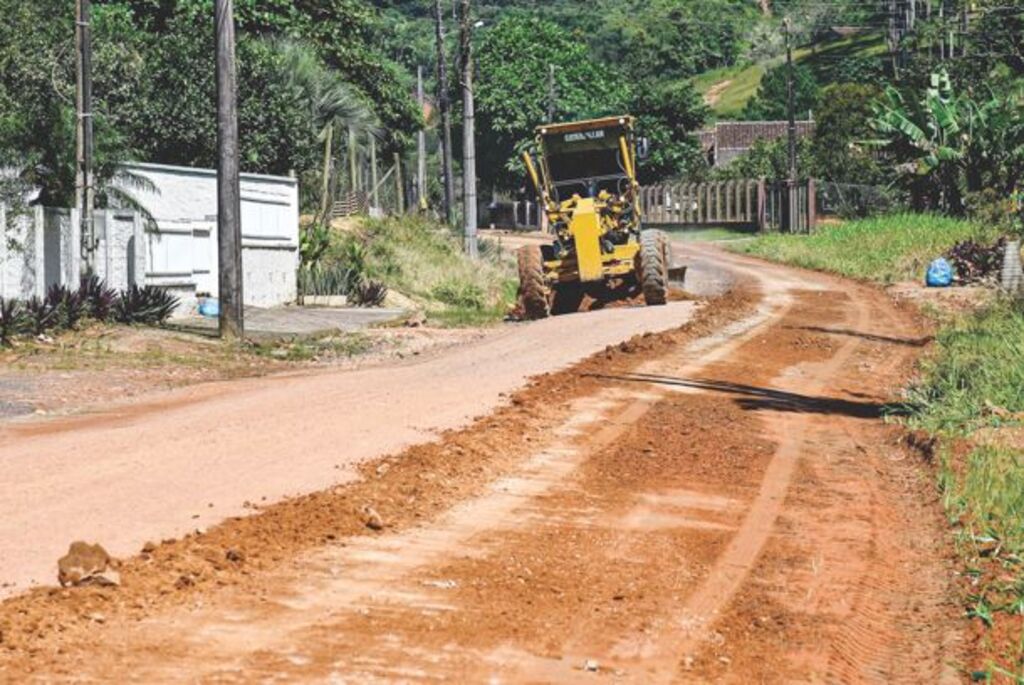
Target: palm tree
x=333, y=103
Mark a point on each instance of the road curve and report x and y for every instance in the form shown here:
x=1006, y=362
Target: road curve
x=193, y=458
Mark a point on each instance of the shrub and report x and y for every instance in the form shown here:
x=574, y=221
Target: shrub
x=13, y=320
x=148, y=305
x=42, y=315
x=462, y=294
x=98, y=299
x=976, y=262
x=68, y=305
x=370, y=293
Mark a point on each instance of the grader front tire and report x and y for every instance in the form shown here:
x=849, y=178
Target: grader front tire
x=653, y=267
x=533, y=291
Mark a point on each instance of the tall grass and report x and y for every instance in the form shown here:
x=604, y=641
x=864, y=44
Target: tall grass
x=976, y=379
x=885, y=249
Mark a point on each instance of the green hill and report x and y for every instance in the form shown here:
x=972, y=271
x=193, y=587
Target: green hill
x=728, y=90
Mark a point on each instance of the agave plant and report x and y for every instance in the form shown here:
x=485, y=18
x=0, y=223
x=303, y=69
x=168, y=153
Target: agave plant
x=99, y=299
x=369, y=294
x=68, y=305
x=42, y=315
x=13, y=321
x=149, y=305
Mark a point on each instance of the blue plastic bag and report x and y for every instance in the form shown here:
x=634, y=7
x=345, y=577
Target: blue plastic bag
x=210, y=308
x=940, y=274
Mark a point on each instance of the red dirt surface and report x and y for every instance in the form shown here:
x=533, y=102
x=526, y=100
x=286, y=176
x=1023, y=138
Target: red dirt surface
x=716, y=504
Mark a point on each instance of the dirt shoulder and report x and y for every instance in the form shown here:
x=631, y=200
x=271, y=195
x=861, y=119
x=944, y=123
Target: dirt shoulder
x=719, y=503
x=85, y=370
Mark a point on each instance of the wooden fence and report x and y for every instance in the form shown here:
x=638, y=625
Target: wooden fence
x=746, y=202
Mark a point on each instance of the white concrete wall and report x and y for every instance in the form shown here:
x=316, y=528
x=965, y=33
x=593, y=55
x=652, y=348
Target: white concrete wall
x=181, y=253
x=39, y=248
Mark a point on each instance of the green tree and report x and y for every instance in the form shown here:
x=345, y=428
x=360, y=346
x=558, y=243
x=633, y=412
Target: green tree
x=669, y=114
x=513, y=59
x=843, y=120
x=770, y=102
x=672, y=39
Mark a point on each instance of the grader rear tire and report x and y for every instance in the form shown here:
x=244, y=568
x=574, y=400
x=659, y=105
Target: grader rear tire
x=533, y=291
x=653, y=267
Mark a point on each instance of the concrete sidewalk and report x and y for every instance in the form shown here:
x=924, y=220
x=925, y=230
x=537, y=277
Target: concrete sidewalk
x=285, y=321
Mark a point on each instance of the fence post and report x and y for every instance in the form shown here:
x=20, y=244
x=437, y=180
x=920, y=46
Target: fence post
x=812, y=205
x=762, y=218
x=399, y=184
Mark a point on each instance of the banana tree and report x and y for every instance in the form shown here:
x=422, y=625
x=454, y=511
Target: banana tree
x=934, y=139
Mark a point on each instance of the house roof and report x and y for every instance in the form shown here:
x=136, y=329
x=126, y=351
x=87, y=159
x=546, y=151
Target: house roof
x=741, y=135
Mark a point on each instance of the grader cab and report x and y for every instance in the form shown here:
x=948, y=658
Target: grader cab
x=585, y=176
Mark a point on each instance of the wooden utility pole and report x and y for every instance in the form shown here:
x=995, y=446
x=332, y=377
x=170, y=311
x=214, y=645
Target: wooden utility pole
x=791, y=194
x=444, y=103
x=375, y=195
x=552, y=94
x=469, y=209
x=229, y=196
x=421, y=145
x=399, y=184
x=79, y=134
x=86, y=191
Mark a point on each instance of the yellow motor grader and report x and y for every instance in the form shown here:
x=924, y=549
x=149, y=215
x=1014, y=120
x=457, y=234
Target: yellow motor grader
x=585, y=176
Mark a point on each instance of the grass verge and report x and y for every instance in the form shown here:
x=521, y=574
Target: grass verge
x=971, y=400
x=885, y=249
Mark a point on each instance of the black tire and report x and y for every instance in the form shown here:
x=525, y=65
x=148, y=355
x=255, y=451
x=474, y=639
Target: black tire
x=533, y=291
x=653, y=267
x=567, y=299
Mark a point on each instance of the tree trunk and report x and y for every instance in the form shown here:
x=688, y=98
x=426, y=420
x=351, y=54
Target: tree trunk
x=325, y=189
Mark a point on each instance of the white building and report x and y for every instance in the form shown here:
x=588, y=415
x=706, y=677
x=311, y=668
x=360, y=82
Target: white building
x=181, y=249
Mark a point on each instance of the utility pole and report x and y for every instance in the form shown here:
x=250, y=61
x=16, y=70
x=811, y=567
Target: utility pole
x=552, y=94
x=229, y=196
x=791, y=195
x=444, y=103
x=469, y=209
x=85, y=193
x=375, y=195
x=421, y=145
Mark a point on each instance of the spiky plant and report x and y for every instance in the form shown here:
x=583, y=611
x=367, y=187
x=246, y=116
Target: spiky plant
x=68, y=305
x=13, y=321
x=149, y=305
x=98, y=298
x=42, y=316
x=369, y=294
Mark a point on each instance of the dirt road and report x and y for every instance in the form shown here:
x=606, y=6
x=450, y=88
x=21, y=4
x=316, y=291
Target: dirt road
x=150, y=471
x=718, y=504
